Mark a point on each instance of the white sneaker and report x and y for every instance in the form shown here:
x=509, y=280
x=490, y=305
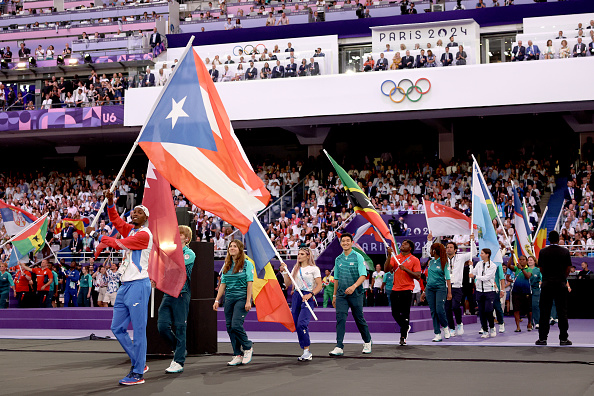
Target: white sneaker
x=502, y=328
x=437, y=338
x=408, y=331
x=446, y=333
x=485, y=334
x=336, y=352
x=460, y=329
x=493, y=332
x=247, y=356
x=452, y=332
x=536, y=326
x=236, y=361
x=481, y=331
x=306, y=356
x=367, y=347
x=175, y=367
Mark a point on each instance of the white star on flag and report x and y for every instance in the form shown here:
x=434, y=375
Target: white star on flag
x=177, y=111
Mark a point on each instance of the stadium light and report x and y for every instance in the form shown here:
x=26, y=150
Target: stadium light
x=60, y=60
x=21, y=65
x=32, y=62
x=88, y=58
x=73, y=62
x=3, y=64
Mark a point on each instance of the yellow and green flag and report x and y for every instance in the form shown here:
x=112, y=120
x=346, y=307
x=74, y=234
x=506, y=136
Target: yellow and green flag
x=32, y=238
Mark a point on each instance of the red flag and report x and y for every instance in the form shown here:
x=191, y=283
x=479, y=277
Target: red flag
x=166, y=262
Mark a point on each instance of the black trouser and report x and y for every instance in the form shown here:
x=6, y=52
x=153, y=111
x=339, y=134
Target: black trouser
x=401, y=300
x=452, y=307
x=557, y=293
x=376, y=296
x=485, y=306
x=468, y=291
x=94, y=297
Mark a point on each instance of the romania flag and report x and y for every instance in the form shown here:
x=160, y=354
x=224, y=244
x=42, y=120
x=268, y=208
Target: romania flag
x=271, y=304
x=540, y=241
x=33, y=238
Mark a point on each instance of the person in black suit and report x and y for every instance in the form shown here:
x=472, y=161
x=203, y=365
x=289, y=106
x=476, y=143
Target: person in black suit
x=408, y=62
x=519, y=52
x=24, y=52
x=278, y=71
x=412, y=9
x=314, y=67
x=214, y=73
x=554, y=262
x=149, y=78
x=251, y=72
x=452, y=43
x=370, y=190
x=591, y=47
x=155, y=38
x=446, y=57
x=421, y=59
x=382, y=63
x=579, y=49
x=291, y=69
x=571, y=193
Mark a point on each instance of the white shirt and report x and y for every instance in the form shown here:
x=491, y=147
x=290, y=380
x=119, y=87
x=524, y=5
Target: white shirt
x=306, y=277
x=378, y=279
x=485, y=276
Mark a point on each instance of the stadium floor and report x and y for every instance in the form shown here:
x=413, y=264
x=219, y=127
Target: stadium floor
x=84, y=367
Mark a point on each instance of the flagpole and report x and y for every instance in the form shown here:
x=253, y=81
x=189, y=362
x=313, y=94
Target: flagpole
x=541, y=220
x=54, y=253
x=480, y=173
x=288, y=272
x=25, y=229
x=117, y=179
x=152, y=302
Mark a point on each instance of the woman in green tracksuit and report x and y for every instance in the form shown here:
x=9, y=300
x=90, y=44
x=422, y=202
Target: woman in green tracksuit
x=6, y=283
x=535, y=280
x=438, y=289
x=84, y=288
x=236, y=282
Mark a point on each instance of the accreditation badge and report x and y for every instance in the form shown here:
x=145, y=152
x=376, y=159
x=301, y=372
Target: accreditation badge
x=186, y=256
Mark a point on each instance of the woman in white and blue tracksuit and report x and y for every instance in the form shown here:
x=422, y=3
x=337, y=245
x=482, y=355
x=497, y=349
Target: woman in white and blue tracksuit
x=486, y=291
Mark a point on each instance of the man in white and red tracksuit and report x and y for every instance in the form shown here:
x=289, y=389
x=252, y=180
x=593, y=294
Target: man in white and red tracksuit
x=131, y=304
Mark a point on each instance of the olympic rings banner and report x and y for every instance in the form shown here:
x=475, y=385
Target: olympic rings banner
x=405, y=89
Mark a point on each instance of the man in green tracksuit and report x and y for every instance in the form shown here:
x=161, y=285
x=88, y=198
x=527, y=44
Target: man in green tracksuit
x=349, y=274
x=174, y=311
x=328, y=282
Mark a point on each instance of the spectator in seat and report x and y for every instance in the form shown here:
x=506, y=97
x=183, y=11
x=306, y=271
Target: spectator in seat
x=251, y=72
x=227, y=74
x=162, y=78
x=278, y=71
x=39, y=53
x=289, y=48
x=480, y=4
x=382, y=63
x=408, y=62
x=532, y=51
x=314, y=67
x=461, y=56
x=149, y=79
x=580, y=33
x=446, y=57
x=214, y=73
x=228, y=25
x=421, y=60
x=591, y=46
x=430, y=59
x=519, y=52
x=2, y=97
x=387, y=48
x=8, y=54
x=24, y=52
x=238, y=73
x=155, y=38
x=265, y=72
x=30, y=105
x=495, y=3
x=80, y=98
x=561, y=36
x=396, y=62
x=318, y=53
x=291, y=69
x=283, y=20
x=303, y=68
x=366, y=14
x=49, y=54
x=412, y=9
x=591, y=25
x=579, y=49
x=47, y=102
x=271, y=20
x=564, y=51
x=237, y=24
x=452, y=43
x=229, y=61
x=549, y=50
x=67, y=52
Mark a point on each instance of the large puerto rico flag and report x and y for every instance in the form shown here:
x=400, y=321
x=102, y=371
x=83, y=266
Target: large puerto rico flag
x=189, y=139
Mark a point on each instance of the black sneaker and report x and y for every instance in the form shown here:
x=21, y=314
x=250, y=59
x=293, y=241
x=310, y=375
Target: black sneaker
x=402, y=341
x=541, y=342
x=552, y=323
x=565, y=342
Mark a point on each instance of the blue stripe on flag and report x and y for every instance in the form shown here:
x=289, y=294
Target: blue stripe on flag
x=7, y=215
x=259, y=247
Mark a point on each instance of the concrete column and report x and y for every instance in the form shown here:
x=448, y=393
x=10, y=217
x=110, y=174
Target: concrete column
x=313, y=137
x=173, y=23
x=59, y=5
x=446, y=145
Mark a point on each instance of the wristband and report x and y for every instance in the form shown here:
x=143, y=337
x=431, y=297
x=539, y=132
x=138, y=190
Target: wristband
x=334, y=295
x=217, y=301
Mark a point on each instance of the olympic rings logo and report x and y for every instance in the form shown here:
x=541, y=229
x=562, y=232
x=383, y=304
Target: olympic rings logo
x=249, y=49
x=412, y=92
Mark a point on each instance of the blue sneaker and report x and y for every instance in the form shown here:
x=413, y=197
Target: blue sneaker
x=132, y=379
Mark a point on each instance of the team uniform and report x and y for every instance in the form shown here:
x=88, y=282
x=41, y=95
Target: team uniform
x=131, y=303
x=305, y=280
x=388, y=285
x=22, y=286
x=44, y=275
x=436, y=292
x=53, y=287
x=113, y=285
x=328, y=283
x=86, y=282
x=401, y=296
x=347, y=270
x=174, y=311
x=71, y=287
x=5, y=283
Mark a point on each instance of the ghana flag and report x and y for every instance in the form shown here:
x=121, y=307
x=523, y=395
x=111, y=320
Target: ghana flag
x=32, y=238
x=361, y=203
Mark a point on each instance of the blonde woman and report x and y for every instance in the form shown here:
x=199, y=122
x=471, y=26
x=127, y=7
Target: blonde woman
x=236, y=282
x=396, y=60
x=308, y=278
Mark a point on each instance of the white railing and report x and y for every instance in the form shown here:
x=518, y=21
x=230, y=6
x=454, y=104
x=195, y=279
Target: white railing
x=272, y=211
x=558, y=223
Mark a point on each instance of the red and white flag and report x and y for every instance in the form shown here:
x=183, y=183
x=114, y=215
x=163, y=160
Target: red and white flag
x=166, y=262
x=443, y=220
